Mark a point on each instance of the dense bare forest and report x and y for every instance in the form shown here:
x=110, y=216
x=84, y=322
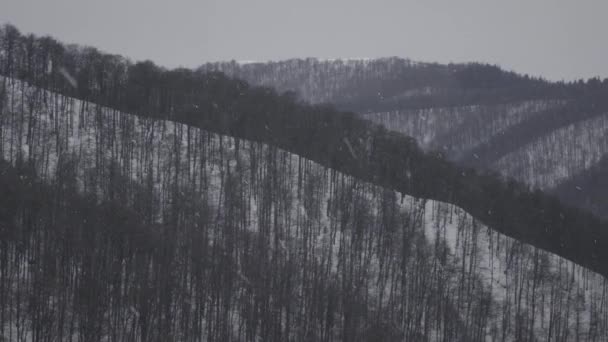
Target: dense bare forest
x=128, y=228
x=143, y=204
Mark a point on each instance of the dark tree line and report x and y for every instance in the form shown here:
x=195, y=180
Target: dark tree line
x=589, y=187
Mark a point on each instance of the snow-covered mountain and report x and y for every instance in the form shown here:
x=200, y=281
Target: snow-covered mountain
x=251, y=242
x=144, y=204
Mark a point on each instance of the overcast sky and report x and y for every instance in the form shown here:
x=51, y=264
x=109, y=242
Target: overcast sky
x=556, y=39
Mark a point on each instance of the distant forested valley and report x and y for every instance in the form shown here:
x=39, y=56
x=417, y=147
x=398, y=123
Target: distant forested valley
x=144, y=204
x=548, y=135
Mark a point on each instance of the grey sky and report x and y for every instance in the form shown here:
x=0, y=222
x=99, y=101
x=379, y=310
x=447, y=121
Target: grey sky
x=557, y=39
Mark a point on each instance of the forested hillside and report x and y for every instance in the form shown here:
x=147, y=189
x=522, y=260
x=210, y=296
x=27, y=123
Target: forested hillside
x=335, y=139
x=125, y=228
x=148, y=204
x=539, y=132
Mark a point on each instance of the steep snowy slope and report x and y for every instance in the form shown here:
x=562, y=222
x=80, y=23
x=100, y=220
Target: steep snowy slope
x=260, y=244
